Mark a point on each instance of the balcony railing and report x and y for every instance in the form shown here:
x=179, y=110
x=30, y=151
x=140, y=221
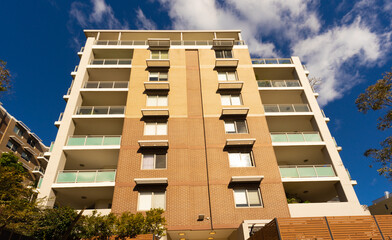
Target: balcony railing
x=39, y=182
x=272, y=61
x=60, y=117
x=121, y=84
x=278, y=83
x=296, y=137
x=111, y=62
x=307, y=171
x=109, y=110
x=172, y=42
x=38, y=169
x=51, y=146
x=86, y=176
x=286, y=108
x=93, y=140
x=76, y=68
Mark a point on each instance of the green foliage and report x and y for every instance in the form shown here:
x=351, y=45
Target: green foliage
x=11, y=160
x=379, y=97
x=5, y=77
x=295, y=199
x=96, y=226
x=130, y=225
x=155, y=222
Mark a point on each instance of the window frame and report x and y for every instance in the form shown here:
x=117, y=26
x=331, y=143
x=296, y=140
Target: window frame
x=159, y=76
x=28, y=158
x=154, y=162
x=227, y=76
x=159, y=54
x=231, y=101
x=19, y=132
x=252, y=160
x=155, y=128
x=224, y=54
x=14, y=145
x=247, y=197
x=157, y=100
x=235, y=126
x=152, y=200
x=31, y=142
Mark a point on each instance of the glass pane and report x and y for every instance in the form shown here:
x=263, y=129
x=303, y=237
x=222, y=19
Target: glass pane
x=100, y=110
x=97, y=62
x=162, y=100
x=241, y=126
x=278, y=83
x=84, y=111
x=151, y=100
x=160, y=161
x=271, y=61
x=86, y=177
x=106, y=85
x=159, y=200
x=271, y=108
x=219, y=54
x=164, y=54
x=149, y=128
x=265, y=83
x=76, y=141
x=228, y=54
x=295, y=137
x=306, y=171
x=163, y=76
x=111, y=141
x=225, y=100
x=154, y=54
x=154, y=76
x=124, y=61
x=235, y=100
x=91, y=85
x=162, y=129
x=246, y=160
x=312, y=137
x=107, y=176
x=66, y=177
x=284, y=61
x=231, y=76
x=286, y=108
x=93, y=141
x=145, y=199
x=287, y=172
x=148, y=161
x=116, y=110
x=254, y=198
x=301, y=107
x=222, y=76
x=110, y=62
x=278, y=137
x=121, y=84
x=293, y=83
x=240, y=198
x=229, y=127
x=235, y=159
x=325, y=171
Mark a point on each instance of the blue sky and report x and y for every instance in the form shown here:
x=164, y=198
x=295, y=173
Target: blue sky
x=345, y=43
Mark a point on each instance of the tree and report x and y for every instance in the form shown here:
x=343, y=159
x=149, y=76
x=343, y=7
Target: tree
x=129, y=225
x=96, y=226
x=154, y=222
x=378, y=97
x=5, y=77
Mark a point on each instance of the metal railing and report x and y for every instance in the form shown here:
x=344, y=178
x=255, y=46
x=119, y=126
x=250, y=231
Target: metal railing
x=76, y=68
x=272, y=61
x=306, y=171
x=111, y=62
x=104, y=84
x=26, y=166
x=286, y=108
x=107, y=110
x=60, y=117
x=278, y=83
x=39, y=169
x=172, y=42
x=81, y=49
x=93, y=140
x=296, y=137
x=86, y=176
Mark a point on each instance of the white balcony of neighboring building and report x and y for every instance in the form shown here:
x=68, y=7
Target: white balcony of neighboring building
x=85, y=178
x=38, y=170
x=73, y=73
x=58, y=122
x=296, y=139
x=48, y=153
x=92, y=143
x=307, y=173
x=272, y=62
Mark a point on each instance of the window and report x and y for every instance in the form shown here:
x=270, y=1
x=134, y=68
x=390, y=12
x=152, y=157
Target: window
x=159, y=54
x=247, y=197
x=154, y=161
x=155, y=128
x=158, y=76
x=223, y=54
x=25, y=156
x=11, y=145
x=18, y=131
x=231, y=100
x=236, y=126
x=227, y=76
x=240, y=159
x=31, y=142
x=156, y=100
x=149, y=200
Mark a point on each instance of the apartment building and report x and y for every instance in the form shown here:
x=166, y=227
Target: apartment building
x=382, y=205
x=187, y=121
x=16, y=137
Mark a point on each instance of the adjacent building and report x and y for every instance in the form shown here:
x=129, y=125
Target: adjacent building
x=187, y=121
x=16, y=137
x=382, y=205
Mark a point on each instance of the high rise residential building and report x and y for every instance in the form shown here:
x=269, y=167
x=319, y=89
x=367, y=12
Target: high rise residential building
x=187, y=121
x=16, y=137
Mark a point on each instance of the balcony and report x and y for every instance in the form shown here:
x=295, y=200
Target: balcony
x=58, y=122
x=272, y=61
x=94, y=141
x=279, y=84
x=158, y=63
x=110, y=63
x=103, y=85
x=106, y=92
x=286, y=109
x=226, y=63
x=296, y=138
x=297, y=173
x=112, y=43
x=40, y=182
x=99, y=112
x=86, y=176
x=230, y=85
x=38, y=170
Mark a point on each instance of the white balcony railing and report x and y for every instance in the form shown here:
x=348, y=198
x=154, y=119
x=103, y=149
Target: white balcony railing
x=283, y=108
x=39, y=169
x=296, y=137
x=172, y=42
x=307, y=171
x=104, y=84
x=93, y=140
x=272, y=61
x=107, y=110
x=111, y=62
x=86, y=176
x=60, y=117
x=278, y=83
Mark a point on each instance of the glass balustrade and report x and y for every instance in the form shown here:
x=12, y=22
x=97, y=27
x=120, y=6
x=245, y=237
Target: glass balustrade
x=111, y=61
x=105, y=84
x=172, y=42
x=278, y=83
x=286, y=108
x=86, y=176
x=39, y=182
x=272, y=61
x=51, y=146
x=93, y=140
x=296, y=137
x=100, y=110
x=306, y=171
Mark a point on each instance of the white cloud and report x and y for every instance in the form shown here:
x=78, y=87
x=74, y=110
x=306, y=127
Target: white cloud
x=144, y=23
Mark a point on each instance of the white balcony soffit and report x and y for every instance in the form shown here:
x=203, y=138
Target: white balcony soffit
x=233, y=85
x=140, y=181
x=240, y=142
x=163, y=63
x=240, y=179
x=227, y=63
x=235, y=111
x=153, y=143
x=311, y=179
x=157, y=86
x=16, y=139
x=83, y=185
x=155, y=112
